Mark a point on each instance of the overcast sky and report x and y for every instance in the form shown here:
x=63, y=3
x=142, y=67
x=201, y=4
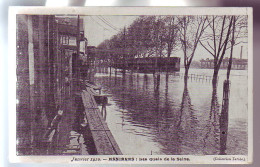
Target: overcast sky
x=100, y=28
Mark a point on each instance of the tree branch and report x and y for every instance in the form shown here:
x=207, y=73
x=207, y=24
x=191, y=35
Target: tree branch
x=221, y=35
x=226, y=42
x=207, y=49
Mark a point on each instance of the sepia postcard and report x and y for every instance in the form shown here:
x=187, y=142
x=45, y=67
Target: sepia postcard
x=131, y=85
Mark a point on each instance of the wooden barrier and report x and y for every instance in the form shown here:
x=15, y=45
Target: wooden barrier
x=87, y=84
x=103, y=138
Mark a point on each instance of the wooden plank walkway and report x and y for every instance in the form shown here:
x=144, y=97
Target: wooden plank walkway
x=103, y=138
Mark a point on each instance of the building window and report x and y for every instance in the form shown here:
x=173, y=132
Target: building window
x=65, y=39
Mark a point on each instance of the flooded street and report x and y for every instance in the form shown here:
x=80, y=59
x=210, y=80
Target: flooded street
x=148, y=115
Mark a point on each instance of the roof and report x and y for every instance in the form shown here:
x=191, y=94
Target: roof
x=68, y=24
x=70, y=20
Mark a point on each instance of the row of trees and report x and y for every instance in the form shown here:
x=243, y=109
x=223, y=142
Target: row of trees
x=161, y=36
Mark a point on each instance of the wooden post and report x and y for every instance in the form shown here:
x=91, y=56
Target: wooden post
x=223, y=120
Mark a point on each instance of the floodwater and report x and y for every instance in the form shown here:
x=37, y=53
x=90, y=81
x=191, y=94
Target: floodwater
x=159, y=115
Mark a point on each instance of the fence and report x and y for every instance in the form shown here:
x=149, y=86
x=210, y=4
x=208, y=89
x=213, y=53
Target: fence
x=196, y=77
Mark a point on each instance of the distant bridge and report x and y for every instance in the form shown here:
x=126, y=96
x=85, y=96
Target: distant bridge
x=237, y=64
x=148, y=64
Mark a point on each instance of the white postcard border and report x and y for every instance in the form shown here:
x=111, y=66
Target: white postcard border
x=151, y=159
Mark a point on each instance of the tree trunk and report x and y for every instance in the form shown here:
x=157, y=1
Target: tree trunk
x=169, y=52
x=231, y=50
x=215, y=77
x=186, y=74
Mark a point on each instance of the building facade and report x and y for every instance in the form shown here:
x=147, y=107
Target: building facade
x=47, y=48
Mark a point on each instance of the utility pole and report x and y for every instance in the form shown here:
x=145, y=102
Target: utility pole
x=124, y=50
x=78, y=35
x=78, y=48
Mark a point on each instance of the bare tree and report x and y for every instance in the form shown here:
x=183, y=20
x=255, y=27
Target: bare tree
x=141, y=33
x=157, y=36
x=239, y=34
x=224, y=33
x=191, y=30
x=232, y=46
x=171, y=35
x=221, y=29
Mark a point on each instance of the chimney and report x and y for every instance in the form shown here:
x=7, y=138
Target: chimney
x=241, y=52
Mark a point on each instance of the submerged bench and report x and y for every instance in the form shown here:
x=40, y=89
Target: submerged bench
x=102, y=136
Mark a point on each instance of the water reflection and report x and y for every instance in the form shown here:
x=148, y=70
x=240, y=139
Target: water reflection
x=217, y=127
x=154, y=107
x=189, y=123
x=153, y=111
x=145, y=82
x=156, y=79
x=211, y=139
